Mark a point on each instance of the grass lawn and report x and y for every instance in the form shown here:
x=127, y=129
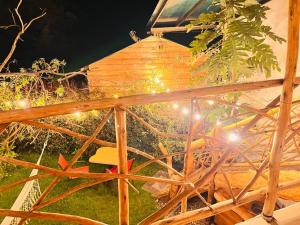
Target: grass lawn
x=99, y=202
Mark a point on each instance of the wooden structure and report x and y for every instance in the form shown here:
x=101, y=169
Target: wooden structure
x=154, y=63
x=269, y=148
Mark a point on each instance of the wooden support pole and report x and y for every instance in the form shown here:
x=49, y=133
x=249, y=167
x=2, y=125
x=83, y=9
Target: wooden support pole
x=285, y=108
x=188, y=157
x=121, y=135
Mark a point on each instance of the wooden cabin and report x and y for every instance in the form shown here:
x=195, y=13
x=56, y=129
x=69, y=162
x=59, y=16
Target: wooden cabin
x=151, y=65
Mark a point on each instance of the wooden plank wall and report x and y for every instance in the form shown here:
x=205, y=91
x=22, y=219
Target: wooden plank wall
x=126, y=71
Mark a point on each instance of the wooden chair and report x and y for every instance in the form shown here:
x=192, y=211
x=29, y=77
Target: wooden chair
x=63, y=163
x=114, y=169
x=129, y=166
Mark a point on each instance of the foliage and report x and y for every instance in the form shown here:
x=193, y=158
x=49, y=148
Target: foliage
x=93, y=205
x=25, y=90
x=237, y=46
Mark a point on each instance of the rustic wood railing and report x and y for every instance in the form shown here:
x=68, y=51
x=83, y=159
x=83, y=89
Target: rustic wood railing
x=216, y=156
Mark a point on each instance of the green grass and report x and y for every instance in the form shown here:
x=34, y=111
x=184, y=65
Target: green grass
x=98, y=202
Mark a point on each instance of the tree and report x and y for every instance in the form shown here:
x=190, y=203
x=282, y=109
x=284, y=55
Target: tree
x=236, y=47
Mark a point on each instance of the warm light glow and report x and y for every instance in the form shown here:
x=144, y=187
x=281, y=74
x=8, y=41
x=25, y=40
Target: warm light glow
x=185, y=111
x=153, y=92
x=233, y=137
x=197, y=116
x=8, y=103
x=22, y=103
x=238, y=103
x=77, y=114
x=116, y=96
x=162, y=84
x=218, y=123
x=168, y=90
x=175, y=106
x=157, y=80
x=95, y=113
x=210, y=102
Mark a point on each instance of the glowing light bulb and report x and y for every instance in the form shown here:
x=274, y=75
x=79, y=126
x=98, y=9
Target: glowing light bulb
x=210, y=102
x=218, y=123
x=22, y=103
x=116, y=96
x=197, y=116
x=185, y=111
x=162, y=84
x=233, y=137
x=157, y=80
x=77, y=114
x=168, y=90
x=175, y=106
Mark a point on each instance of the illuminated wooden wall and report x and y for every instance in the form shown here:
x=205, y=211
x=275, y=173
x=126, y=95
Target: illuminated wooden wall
x=153, y=64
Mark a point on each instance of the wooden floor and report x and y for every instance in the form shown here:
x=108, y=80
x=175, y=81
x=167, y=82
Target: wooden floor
x=286, y=216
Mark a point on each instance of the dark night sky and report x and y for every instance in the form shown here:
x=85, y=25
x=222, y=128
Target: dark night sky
x=79, y=31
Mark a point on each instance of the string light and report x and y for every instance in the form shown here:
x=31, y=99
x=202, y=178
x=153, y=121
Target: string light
x=175, y=106
x=157, y=80
x=233, y=137
x=218, y=123
x=77, y=115
x=197, y=116
x=185, y=111
x=22, y=103
x=210, y=102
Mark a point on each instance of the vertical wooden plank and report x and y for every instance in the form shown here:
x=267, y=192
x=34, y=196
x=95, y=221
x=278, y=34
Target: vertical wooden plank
x=121, y=135
x=285, y=108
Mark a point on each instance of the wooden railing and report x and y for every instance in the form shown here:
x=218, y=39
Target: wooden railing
x=214, y=151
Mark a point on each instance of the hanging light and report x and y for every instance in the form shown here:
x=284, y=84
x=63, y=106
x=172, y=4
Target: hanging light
x=218, y=123
x=157, y=80
x=210, y=102
x=185, y=111
x=22, y=103
x=175, y=106
x=77, y=115
x=233, y=137
x=197, y=116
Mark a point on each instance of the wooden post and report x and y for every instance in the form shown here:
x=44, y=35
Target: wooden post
x=188, y=157
x=121, y=136
x=285, y=108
